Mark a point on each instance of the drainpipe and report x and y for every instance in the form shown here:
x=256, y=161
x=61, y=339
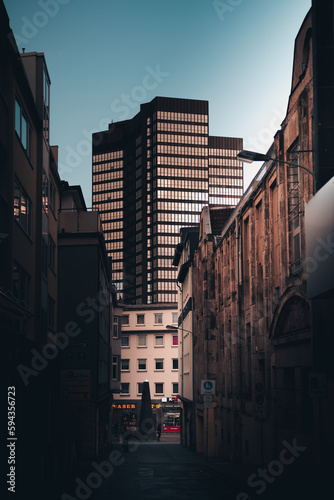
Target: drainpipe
x=182, y=371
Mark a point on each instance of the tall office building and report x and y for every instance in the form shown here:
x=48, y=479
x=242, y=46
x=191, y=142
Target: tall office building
x=151, y=176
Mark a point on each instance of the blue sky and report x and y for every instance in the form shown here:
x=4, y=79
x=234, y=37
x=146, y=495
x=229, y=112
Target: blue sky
x=106, y=57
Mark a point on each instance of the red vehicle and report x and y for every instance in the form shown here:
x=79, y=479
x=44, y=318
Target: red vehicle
x=171, y=422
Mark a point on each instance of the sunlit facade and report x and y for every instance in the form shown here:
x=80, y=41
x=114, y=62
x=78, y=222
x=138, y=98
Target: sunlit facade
x=151, y=176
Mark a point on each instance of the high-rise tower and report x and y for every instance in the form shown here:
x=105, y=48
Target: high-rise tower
x=151, y=176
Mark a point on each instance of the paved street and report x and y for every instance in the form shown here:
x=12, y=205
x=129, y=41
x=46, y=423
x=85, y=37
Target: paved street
x=166, y=470
x=163, y=470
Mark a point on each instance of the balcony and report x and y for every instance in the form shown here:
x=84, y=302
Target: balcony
x=73, y=221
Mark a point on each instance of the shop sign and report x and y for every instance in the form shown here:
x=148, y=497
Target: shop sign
x=131, y=406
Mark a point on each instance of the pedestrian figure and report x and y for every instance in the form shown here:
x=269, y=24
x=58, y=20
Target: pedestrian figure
x=159, y=432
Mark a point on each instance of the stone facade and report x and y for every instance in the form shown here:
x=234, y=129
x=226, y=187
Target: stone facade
x=253, y=332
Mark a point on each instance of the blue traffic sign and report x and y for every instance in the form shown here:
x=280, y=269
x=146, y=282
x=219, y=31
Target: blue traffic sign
x=208, y=385
x=259, y=387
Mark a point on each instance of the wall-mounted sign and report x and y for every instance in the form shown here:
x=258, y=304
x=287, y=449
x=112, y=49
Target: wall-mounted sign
x=124, y=406
x=208, y=386
x=75, y=384
x=131, y=406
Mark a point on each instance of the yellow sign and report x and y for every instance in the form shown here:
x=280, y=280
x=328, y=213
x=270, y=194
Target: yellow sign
x=128, y=406
x=124, y=406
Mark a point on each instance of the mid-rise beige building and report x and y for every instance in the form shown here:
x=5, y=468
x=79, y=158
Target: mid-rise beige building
x=149, y=351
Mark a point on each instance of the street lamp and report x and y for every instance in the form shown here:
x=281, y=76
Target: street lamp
x=250, y=156
x=171, y=327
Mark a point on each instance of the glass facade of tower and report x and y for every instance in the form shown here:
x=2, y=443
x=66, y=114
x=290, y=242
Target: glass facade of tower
x=151, y=176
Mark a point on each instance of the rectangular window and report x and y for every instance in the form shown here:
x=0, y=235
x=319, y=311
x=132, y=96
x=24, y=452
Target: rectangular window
x=141, y=341
x=175, y=364
x=45, y=192
x=174, y=318
x=140, y=319
x=115, y=368
x=275, y=232
x=175, y=388
x=159, y=364
x=158, y=319
x=21, y=285
x=125, y=341
x=52, y=254
x=51, y=313
x=125, y=388
x=140, y=387
x=159, y=388
x=125, y=319
x=159, y=340
x=175, y=340
x=22, y=208
x=141, y=364
x=115, y=328
x=125, y=365
x=23, y=128
x=52, y=197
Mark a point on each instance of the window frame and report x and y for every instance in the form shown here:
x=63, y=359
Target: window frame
x=157, y=393
x=123, y=337
x=139, y=392
x=125, y=320
x=115, y=368
x=23, y=285
x=141, y=335
x=52, y=254
x=141, y=369
x=158, y=318
x=123, y=393
x=24, y=223
x=140, y=316
x=125, y=369
x=155, y=341
x=115, y=333
x=20, y=125
x=161, y=361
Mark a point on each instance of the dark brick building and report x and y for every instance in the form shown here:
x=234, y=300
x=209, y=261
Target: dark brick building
x=256, y=333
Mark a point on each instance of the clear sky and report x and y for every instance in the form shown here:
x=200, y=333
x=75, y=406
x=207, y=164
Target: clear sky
x=106, y=57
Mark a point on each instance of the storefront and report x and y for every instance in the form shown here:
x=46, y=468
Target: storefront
x=126, y=413
x=170, y=414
